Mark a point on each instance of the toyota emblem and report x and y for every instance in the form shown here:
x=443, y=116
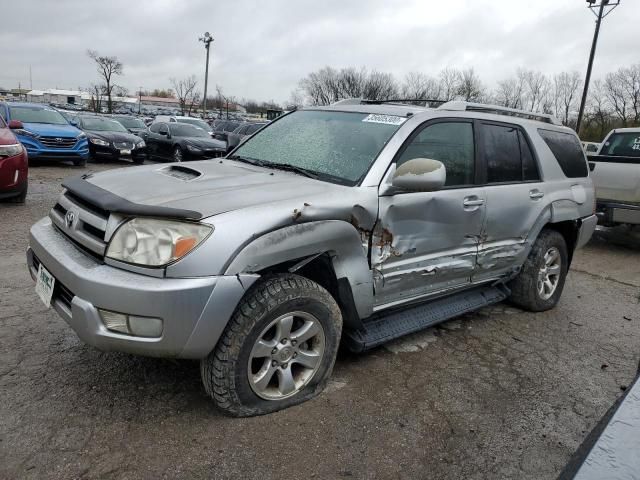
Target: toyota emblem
x=69, y=218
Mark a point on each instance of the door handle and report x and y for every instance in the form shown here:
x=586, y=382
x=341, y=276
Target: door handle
x=535, y=194
x=472, y=202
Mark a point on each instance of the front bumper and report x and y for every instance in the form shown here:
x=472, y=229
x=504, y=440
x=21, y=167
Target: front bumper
x=612, y=213
x=13, y=175
x=114, y=152
x=194, y=311
x=36, y=150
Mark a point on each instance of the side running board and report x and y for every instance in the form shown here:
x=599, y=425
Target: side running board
x=381, y=329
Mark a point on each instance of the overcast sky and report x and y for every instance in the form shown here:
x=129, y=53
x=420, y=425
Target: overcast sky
x=262, y=48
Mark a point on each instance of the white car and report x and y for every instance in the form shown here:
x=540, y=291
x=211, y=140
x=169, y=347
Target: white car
x=591, y=148
x=616, y=177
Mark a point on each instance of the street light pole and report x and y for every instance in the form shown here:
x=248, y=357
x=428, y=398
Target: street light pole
x=139, y=100
x=599, y=17
x=206, y=39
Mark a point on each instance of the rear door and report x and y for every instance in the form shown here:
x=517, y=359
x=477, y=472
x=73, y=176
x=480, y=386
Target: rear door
x=514, y=193
x=425, y=243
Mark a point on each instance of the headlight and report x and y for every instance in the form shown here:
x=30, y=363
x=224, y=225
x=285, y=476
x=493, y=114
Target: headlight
x=141, y=144
x=98, y=141
x=194, y=149
x=151, y=242
x=82, y=136
x=26, y=133
x=10, y=150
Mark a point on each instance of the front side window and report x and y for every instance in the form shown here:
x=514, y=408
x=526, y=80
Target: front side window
x=452, y=144
x=622, y=145
x=155, y=128
x=337, y=146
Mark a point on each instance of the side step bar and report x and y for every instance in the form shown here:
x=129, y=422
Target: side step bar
x=381, y=329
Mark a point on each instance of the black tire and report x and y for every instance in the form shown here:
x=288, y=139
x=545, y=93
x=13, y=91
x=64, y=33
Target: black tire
x=80, y=163
x=524, y=288
x=22, y=196
x=225, y=371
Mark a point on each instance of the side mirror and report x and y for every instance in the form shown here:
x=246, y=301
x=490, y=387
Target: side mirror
x=74, y=123
x=420, y=175
x=15, y=124
x=163, y=132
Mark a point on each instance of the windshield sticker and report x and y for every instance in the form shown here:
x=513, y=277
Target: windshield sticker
x=386, y=119
x=636, y=144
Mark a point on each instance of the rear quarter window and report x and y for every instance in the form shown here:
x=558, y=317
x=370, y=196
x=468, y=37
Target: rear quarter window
x=568, y=152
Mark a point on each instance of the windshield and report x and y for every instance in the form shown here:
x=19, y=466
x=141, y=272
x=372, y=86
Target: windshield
x=338, y=146
x=196, y=122
x=102, y=125
x=623, y=145
x=131, y=122
x=38, y=115
x=186, y=130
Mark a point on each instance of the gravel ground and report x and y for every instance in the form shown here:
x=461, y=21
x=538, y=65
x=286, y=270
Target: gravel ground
x=497, y=394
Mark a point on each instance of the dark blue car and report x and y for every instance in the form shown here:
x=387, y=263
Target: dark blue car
x=45, y=133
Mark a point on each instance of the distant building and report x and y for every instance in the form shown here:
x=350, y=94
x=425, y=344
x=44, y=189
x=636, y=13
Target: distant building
x=160, y=101
x=59, y=97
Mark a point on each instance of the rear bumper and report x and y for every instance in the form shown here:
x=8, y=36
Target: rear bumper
x=611, y=213
x=194, y=311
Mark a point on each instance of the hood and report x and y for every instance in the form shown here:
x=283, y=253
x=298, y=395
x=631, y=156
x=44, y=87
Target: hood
x=113, y=136
x=212, y=187
x=7, y=137
x=205, y=143
x=48, y=129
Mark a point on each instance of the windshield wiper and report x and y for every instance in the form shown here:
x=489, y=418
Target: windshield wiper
x=250, y=161
x=292, y=168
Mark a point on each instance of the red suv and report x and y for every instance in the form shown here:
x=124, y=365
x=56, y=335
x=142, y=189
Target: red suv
x=13, y=164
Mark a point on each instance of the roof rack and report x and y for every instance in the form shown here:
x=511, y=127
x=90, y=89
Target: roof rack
x=428, y=102
x=498, y=110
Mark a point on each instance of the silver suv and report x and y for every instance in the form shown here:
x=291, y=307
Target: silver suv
x=358, y=222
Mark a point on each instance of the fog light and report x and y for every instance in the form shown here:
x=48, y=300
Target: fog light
x=145, y=326
x=132, y=324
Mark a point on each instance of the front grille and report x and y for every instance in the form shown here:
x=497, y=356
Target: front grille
x=60, y=292
x=84, y=223
x=127, y=145
x=58, y=142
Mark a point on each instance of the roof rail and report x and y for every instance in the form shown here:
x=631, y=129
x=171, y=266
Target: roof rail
x=411, y=101
x=498, y=110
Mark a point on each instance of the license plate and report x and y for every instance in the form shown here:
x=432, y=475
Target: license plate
x=44, y=285
x=125, y=151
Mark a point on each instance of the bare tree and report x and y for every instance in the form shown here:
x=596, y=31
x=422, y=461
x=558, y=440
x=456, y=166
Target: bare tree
x=380, y=86
x=616, y=95
x=186, y=92
x=449, y=78
x=565, y=94
x=470, y=88
x=95, y=103
x=536, y=90
x=509, y=92
x=108, y=68
x=630, y=80
x=418, y=86
x=598, y=114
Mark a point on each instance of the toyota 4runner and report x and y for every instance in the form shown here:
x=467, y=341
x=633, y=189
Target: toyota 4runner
x=354, y=223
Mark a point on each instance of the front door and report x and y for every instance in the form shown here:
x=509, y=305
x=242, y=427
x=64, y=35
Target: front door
x=425, y=243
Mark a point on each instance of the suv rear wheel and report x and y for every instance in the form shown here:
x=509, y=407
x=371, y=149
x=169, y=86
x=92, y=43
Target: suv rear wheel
x=539, y=285
x=278, y=350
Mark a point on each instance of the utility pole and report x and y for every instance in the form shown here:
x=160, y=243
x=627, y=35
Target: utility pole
x=206, y=39
x=139, y=99
x=600, y=15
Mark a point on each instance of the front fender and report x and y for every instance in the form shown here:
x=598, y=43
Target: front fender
x=339, y=239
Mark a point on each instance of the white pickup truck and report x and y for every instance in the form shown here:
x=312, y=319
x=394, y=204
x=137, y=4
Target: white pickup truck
x=616, y=176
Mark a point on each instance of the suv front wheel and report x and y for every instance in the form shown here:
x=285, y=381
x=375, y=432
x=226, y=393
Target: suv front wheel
x=278, y=349
x=539, y=285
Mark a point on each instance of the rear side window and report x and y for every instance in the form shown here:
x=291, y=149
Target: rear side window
x=529, y=166
x=501, y=149
x=568, y=152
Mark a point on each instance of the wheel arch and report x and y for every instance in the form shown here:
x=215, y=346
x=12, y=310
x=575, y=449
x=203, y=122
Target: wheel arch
x=329, y=252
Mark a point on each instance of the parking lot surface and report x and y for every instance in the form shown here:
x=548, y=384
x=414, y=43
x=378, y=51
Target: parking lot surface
x=497, y=394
